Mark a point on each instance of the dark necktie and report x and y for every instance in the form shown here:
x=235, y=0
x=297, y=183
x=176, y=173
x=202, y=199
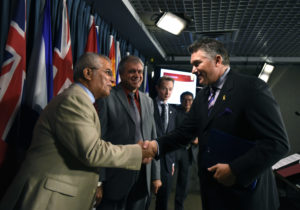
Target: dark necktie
x=163, y=117
x=137, y=118
x=211, y=98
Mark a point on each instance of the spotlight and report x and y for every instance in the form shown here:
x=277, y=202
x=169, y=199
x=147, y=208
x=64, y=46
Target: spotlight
x=266, y=72
x=171, y=23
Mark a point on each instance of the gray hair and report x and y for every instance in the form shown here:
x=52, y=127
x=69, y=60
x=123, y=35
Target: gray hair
x=87, y=60
x=212, y=47
x=129, y=59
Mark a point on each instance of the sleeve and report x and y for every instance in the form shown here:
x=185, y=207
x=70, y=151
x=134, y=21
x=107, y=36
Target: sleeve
x=155, y=165
x=76, y=128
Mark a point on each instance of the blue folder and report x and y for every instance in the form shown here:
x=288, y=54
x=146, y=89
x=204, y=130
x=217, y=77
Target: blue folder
x=223, y=148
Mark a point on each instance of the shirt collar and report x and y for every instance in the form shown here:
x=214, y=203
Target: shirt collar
x=87, y=91
x=159, y=101
x=220, y=82
x=136, y=94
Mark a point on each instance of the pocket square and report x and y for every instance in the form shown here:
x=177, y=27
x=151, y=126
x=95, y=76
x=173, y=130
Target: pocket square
x=226, y=111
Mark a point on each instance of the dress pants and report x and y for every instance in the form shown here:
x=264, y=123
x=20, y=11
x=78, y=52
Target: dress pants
x=165, y=190
x=183, y=166
x=135, y=200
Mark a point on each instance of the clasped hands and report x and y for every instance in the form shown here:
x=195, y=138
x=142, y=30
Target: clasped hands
x=149, y=150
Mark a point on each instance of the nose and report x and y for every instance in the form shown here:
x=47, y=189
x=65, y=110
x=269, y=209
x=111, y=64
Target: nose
x=112, y=79
x=194, y=70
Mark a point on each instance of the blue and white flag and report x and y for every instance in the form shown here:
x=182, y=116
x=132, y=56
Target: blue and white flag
x=39, y=82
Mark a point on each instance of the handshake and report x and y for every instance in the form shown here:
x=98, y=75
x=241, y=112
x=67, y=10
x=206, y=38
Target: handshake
x=149, y=150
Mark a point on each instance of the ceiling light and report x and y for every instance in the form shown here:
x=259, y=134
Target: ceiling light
x=171, y=23
x=266, y=72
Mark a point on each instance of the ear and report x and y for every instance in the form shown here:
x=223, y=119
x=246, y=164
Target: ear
x=87, y=74
x=219, y=59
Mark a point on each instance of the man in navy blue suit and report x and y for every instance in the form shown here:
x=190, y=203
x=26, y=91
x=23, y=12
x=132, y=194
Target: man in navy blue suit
x=237, y=108
x=164, y=116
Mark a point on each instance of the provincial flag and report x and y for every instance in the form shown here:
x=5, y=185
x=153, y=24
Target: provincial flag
x=62, y=56
x=12, y=74
x=91, y=44
x=112, y=56
x=39, y=80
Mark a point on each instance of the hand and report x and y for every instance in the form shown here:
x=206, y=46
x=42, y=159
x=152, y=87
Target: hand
x=195, y=141
x=99, y=195
x=149, y=150
x=156, y=184
x=223, y=174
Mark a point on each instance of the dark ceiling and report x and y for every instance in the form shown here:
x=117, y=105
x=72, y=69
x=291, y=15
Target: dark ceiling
x=252, y=31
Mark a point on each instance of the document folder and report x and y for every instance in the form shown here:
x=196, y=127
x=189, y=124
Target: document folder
x=223, y=148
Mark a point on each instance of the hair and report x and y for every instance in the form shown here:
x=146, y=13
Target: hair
x=128, y=59
x=164, y=78
x=186, y=93
x=87, y=60
x=212, y=47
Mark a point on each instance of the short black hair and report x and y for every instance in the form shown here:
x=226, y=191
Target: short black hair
x=186, y=93
x=212, y=47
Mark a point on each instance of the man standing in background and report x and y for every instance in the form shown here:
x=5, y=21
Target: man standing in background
x=126, y=117
x=184, y=156
x=164, y=115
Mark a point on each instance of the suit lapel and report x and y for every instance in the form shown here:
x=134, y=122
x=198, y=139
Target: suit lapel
x=223, y=97
x=123, y=100
x=171, y=117
x=156, y=114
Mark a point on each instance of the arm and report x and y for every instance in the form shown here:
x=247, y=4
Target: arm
x=76, y=128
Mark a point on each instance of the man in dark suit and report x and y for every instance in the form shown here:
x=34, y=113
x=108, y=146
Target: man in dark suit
x=126, y=117
x=164, y=115
x=237, y=108
x=184, y=156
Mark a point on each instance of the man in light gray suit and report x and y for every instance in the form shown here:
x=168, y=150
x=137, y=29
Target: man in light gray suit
x=61, y=167
x=126, y=119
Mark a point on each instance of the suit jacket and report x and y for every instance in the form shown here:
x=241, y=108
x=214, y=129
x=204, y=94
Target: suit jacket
x=244, y=108
x=168, y=159
x=118, y=127
x=191, y=149
x=61, y=166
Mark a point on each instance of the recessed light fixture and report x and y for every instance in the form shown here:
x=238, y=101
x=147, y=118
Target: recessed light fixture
x=171, y=23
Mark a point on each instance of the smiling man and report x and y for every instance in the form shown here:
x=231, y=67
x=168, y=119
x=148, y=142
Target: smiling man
x=126, y=117
x=240, y=131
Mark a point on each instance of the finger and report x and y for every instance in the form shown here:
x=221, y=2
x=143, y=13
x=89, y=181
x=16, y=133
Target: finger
x=146, y=144
x=140, y=142
x=213, y=168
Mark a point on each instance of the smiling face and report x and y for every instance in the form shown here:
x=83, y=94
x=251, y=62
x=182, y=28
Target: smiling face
x=206, y=68
x=132, y=75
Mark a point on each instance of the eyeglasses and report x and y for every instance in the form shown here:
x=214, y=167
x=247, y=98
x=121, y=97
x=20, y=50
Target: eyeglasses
x=106, y=71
